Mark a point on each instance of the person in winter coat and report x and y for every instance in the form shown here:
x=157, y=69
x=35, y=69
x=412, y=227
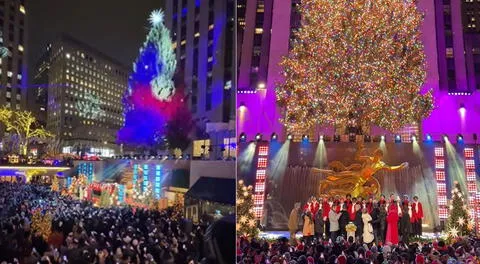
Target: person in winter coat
x=375, y=221
x=358, y=221
x=405, y=229
x=293, y=221
x=319, y=224
x=367, y=227
x=343, y=221
x=308, y=226
x=382, y=222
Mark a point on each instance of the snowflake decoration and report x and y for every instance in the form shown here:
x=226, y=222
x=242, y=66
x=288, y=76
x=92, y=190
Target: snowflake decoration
x=471, y=225
x=156, y=17
x=243, y=219
x=90, y=107
x=239, y=201
x=251, y=223
x=453, y=232
x=461, y=221
x=245, y=194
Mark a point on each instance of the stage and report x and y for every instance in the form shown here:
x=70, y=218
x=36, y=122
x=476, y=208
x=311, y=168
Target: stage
x=273, y=235
x=284, y=173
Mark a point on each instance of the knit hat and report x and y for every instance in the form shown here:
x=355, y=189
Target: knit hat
x=342, y=259
x=310, y=260
x=419, y=259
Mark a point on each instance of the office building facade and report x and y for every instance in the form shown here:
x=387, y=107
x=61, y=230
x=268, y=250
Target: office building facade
x=202, y=34
x=84, y=96
x=13, y=67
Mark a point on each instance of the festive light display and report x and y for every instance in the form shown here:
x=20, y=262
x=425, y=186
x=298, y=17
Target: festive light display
x=54, y=187
x=90, y=107
x=246, y=222
x=42, y=223
x=357, y=64
x=152, y=106
x=471, y=179
x=441, y=182
x=23, y=125
x=458, y=215
x=260, y=179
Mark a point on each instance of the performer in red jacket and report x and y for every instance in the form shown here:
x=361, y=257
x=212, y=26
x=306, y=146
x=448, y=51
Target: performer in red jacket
x=418, y=215
x=314, y=206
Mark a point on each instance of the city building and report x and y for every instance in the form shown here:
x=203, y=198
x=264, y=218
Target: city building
x=13, y=67
x=84, y=90
x=202, y=33
x=451, y=38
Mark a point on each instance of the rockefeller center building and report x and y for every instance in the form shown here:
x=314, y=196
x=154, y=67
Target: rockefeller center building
x=13, y=79
x=84, y=96
x=203, y=35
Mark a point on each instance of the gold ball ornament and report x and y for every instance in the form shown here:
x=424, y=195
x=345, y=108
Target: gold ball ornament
x=245, y=194
x=240, y=182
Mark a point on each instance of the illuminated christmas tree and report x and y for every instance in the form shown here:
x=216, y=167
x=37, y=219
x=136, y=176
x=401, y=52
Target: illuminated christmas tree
x=355, y=64
x=246, y=222
x=458, y=217
x=151, y=103
x=54, y=187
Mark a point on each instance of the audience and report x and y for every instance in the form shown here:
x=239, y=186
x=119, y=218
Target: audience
x=82, y=233
x=259, y=251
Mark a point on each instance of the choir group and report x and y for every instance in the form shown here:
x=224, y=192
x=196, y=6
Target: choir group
x=367, y=220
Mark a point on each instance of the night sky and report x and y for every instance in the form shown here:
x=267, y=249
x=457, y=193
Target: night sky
x=114, y=27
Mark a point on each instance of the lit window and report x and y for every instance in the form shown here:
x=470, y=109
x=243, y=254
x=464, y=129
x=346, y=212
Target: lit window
x=19, y=76
x=258, y=30
x=8, y=95
x=68, y=56
x=210, y=27
x=197, y=34
x=20, y=48
x=18, y=97
x=22, y=9
x=17, y=106
x=9, y=74
x=183, y=42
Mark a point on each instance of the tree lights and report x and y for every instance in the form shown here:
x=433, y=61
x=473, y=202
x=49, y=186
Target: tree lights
x=355, y=61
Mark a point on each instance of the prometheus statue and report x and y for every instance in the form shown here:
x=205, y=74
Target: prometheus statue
x=357, y=179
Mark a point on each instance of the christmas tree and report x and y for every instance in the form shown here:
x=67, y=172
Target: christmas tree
x=54, y=187
x=246, y=222
x=355, y=63
x=458, y=219
x=105, y=200
x=151, y=101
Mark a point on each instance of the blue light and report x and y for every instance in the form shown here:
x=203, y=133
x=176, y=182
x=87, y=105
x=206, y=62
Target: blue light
x=428, y=137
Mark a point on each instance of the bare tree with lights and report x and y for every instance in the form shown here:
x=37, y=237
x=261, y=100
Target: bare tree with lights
x=355, y=64
x=24, y=126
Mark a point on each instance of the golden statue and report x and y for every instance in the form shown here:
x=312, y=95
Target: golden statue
x=356, y=179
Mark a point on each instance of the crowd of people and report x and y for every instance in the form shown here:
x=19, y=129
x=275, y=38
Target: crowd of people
x=261, y=251
x=366, y=220
x=83, y=233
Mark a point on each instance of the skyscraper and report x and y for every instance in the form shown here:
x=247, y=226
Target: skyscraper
x=203, y=36
x=13, y=68
x=85, y=88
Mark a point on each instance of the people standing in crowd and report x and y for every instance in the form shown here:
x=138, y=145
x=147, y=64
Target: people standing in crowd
x=83, y=233
x=343, y=221
x=358, y=222
x=333, y=218
x=392, y=223
x=375, y=221
x=405, y=227
x=367, y=235
x=417, y=225
x=308, y=225
x=319, y=224
x=326, y=206
x=293, y=221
